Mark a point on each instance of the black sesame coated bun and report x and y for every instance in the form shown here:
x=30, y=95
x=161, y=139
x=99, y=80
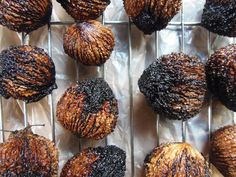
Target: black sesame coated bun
x=219, y=16
x=175, y=85
x=25, y=15
x=221, y=75
x=26, y=73
x=150, y=16
x=88, y=109
x=106, y=161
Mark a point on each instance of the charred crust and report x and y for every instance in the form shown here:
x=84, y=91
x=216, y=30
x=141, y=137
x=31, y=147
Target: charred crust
x=90, y=43
x=25, y=16
x=26, y=154
x=219, y=16
x=221, y=75
x=175, y=159
x=175, y=85
x=222, y=154
x=88, y=109
x=83, y=10
x=106, y=161
x=26, y=73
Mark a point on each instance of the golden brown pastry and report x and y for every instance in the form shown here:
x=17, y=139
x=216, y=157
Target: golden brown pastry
x=223, y=150
x=175, y=85
x=176, y=159
x=106, y=161
x=27, y=73
x=25, y=16
x=221, y=75
x=150, y=16
x=26, y=154
x=91, y=43
x=83, y=10
x=88, y=109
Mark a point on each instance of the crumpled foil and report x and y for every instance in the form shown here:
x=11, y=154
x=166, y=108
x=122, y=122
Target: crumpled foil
x=149, y=129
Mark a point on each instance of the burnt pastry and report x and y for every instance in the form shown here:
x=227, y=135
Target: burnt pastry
x=176, y=159
x=88, y=109
x=221, y=75
x=223, y=150
x=83, y=10
x=27, y=154
x=90, y=43
x=219, y=16
x=106, y=161
x=25, y=16
x=26, y=73
x=175, y=85
x=150, y=16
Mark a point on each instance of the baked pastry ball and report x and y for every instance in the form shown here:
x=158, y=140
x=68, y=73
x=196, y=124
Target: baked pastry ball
x=223, y=150
x=175, y=85
x=25, y=16
x=150, y=16
x=26, y=154
x=106, y=161
x=88, y=109
x=176, y=159
x=90, y=43
x=221, y=75
x=83, y=10
x=219, y=16
x=27, y=73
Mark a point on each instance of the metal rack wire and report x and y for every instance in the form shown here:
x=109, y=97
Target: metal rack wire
x=182, y=24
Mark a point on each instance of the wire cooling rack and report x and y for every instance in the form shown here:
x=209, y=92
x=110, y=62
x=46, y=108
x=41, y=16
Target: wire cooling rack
x=182, y=25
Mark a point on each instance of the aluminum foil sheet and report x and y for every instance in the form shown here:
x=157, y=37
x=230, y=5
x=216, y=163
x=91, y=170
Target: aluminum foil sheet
x=133, y=53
